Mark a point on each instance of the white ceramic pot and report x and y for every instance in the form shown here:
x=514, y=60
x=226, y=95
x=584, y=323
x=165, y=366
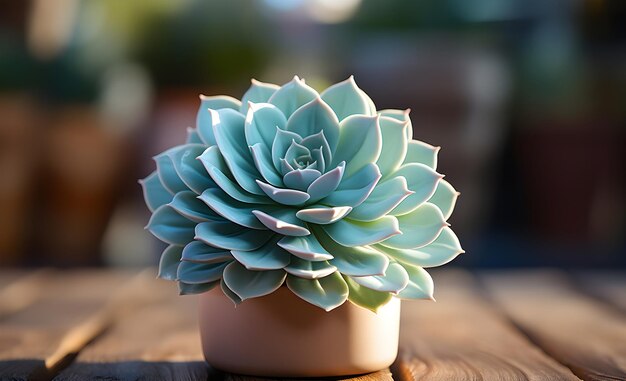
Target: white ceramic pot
x=281, y=335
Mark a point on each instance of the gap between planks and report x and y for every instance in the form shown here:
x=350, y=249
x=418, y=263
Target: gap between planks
x=72, y=308
x=462, y=337
x=82, y=316
x=580, y=332
x=159, y=342
x=606, y=286
x=19, y=292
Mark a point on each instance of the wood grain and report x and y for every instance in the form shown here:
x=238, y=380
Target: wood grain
x=461, y=337
x=9, y=275
x=19, y=290
x=89, y=324
x=608, y=286
x=35, y=341
x=138, y=371
x=155, y=343
x=166, y=330
x=580, y=332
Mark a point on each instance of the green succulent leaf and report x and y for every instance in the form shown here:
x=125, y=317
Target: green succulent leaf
x=300, y=179
x=445, y=197
x=285, y=167
x=230, y=294
x=356, y=189
x=230, y=236
x=193, y=289
x=419, y=228
x=360, y=143
x=395, y=279
x=235, y=211
x=307, y=248
x=328, y=293
x=323, y=215
x=293, y=95
x=318, y=141
x=283, y=140
x=263, y=163
x=196, y=251
x=422, y=181
x=193, y=137
x=313, y=118
x=357, y=233
x=168, y=264
x=167, y=173
x=420, y=284
x=196, y=273
x=189, y=169
x=439, y=252
x=187, y=204
x=228, y=128
x=309, y=270
x=283, y=222
x=317, y=154
x=346, y=98
x=204, y=121
x=284, y=196
x=216, y=102
x=353, y=260
x=383, y=199
x=267, y=257
x=262, y=121
x=295, y=152
x=366, y=297
x=394, y=147
x=326, y=183
x=170, y=227
x=215, y=165
x=154, y=192
x=251, y=284
x=259, y=92
x=401, y=115
x=423, y=153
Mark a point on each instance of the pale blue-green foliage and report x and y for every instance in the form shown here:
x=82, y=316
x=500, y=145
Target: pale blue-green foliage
x=320, y=192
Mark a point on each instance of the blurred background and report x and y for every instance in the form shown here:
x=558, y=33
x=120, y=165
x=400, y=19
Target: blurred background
x=527, y=98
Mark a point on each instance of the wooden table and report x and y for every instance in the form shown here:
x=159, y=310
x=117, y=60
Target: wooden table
x=125, y=325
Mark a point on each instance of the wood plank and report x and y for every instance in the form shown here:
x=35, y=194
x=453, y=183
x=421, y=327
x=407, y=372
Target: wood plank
x=10, y=275
x=42, y=337
x=164, y=331
x=580, y=332
x=158, y=342
x=462, y=337
x=608, y=286
x=19, y=289
x=383, y=375
x=65, y=299
x=138, y=370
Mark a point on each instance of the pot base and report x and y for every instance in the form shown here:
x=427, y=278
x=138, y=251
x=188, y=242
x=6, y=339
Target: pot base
x=281, y=335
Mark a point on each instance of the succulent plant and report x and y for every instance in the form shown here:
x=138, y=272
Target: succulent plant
x=320, y=192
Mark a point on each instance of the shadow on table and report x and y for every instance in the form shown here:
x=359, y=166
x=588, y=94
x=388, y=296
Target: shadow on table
x=35, y=370
x=139, y=370
x=22, y=369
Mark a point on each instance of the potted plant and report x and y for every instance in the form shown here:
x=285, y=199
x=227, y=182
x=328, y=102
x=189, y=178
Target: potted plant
x=302, y=219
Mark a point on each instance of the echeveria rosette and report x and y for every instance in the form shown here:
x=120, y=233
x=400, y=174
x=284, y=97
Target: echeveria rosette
x=318, y=191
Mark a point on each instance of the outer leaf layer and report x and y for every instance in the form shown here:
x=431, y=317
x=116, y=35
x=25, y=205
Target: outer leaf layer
x=328, y=293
